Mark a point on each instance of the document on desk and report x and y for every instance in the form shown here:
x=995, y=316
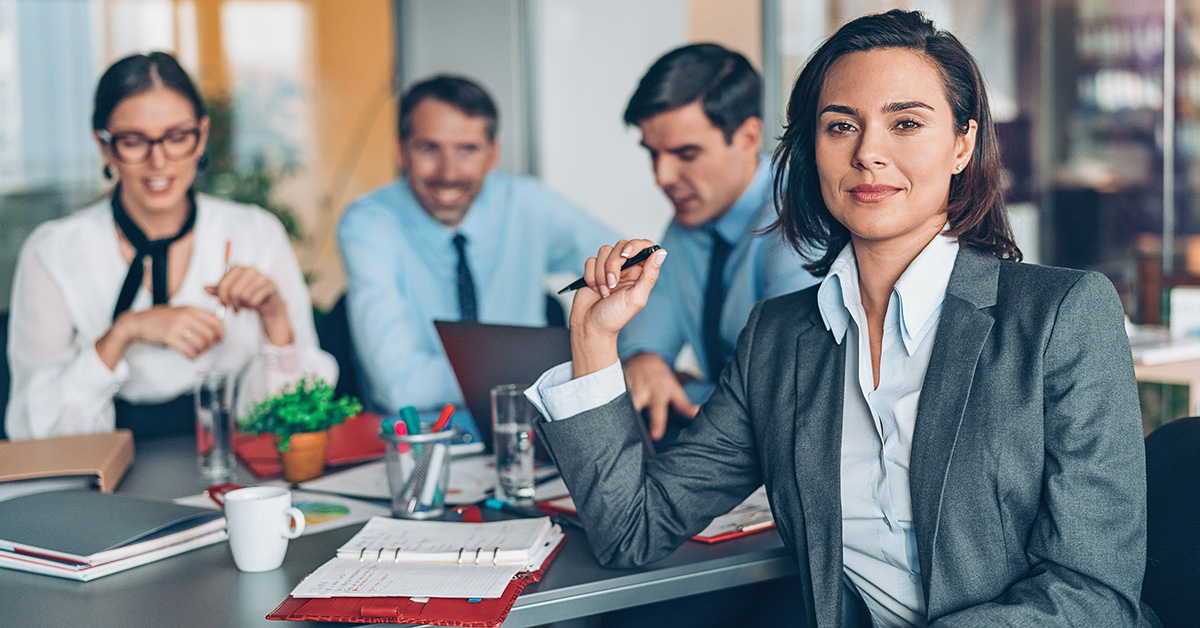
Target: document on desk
x=394, y=558
x=322, y=511
x=472, y=479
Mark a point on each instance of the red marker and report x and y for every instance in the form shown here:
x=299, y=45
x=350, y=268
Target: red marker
x=401, y=430
x=444, y=418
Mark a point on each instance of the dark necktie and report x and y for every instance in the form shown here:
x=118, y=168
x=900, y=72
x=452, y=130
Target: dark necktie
x=143, y=246
x=466, y=286
x=714, y=301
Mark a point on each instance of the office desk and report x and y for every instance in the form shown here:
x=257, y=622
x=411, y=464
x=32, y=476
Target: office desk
x=203, y=588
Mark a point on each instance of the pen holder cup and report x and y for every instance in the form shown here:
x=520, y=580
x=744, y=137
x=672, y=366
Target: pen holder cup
x=418, y=471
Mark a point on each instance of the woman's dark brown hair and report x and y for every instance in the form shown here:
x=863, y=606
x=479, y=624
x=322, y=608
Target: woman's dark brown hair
x=140, y=73
x=975, y=212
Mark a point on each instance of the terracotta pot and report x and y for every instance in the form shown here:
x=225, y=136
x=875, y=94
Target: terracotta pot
x=305, y=456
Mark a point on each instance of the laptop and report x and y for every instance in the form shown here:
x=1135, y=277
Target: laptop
x=484, y=356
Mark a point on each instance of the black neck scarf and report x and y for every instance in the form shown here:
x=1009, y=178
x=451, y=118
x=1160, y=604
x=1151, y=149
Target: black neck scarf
x=156, y=249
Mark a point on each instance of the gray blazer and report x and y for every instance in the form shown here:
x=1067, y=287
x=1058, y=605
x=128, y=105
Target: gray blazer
x=1027, y=469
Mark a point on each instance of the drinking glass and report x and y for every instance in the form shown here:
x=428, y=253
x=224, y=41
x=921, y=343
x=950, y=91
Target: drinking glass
x=512, y=440
x=214, y=426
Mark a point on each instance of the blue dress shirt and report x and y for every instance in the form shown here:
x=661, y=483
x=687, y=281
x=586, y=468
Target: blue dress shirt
x=759, y=267
x=401, y=268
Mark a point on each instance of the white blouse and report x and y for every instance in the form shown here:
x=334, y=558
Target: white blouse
x=68, y=277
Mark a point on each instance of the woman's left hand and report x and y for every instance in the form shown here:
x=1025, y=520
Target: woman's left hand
x=245, y=287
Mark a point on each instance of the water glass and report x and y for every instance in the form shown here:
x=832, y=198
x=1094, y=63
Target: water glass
x=214, y=426
x=512, y=440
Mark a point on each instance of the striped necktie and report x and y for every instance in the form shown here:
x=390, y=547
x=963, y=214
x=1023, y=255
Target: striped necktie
x=467, y=308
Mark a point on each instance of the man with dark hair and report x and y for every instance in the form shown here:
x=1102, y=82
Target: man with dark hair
x=449, y=240
x=699, y=109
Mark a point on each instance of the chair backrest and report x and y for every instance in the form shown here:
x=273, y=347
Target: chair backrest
x=1172, y=583
x=5, y=377
x=556, y=315
x=333, y=334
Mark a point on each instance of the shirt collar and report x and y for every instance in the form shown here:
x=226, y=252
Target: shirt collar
x=919, y=291
x=839, y=287
x=922, y=289
x=736, y=221
x=476, y=224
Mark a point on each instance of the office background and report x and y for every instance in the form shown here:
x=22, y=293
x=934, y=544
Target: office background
x=302, y=93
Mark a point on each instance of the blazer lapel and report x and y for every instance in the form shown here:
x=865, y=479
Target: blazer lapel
x=818, y=449
x=961, y=335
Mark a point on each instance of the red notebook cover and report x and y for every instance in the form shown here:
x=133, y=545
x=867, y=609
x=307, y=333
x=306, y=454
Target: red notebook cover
x=356, y=440
x=401, y=610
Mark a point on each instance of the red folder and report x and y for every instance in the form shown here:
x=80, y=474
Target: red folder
x=402, y=610
x=356, y=440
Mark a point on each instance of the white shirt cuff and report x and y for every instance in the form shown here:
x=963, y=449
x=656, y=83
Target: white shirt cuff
x=557, y=396
x=94, y=376
x=281, y=365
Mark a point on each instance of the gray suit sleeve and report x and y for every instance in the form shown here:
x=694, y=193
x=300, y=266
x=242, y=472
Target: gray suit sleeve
x=1087, y=544
x=636, y=509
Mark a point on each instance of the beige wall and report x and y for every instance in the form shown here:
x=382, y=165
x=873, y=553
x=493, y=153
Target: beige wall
x=736, y=24
x=351, y=113
x=354, y=114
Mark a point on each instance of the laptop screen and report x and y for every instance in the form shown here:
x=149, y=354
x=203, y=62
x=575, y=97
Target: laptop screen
x=484, y=356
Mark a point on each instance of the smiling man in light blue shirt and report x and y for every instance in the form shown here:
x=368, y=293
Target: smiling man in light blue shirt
x=450, y=240
x=699, y=109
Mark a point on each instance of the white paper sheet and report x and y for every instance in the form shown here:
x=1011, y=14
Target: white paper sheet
x=351, y=578
x=472, y=479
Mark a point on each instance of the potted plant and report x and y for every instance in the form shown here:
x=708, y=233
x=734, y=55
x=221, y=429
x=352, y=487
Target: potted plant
x=299, y=418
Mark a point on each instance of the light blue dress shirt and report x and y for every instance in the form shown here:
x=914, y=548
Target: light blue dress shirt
x=759, y=267
x=401, y=268
x=879, y=546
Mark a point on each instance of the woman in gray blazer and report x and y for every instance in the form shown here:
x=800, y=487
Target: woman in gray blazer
x=948, y=437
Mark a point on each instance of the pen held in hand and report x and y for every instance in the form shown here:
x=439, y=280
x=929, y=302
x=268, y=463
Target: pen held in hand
x=221, y=310
x=636, y=259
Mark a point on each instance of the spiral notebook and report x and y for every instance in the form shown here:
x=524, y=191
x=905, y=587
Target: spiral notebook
x=433, y=559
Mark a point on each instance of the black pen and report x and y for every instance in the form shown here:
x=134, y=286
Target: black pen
x=636, y=259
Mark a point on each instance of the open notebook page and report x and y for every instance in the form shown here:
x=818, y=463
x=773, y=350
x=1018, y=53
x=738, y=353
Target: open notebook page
x=351, y=577
x=438, y=541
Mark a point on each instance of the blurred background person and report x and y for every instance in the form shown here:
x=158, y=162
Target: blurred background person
x=452, y=239
x=699, y=110
x=117, y=308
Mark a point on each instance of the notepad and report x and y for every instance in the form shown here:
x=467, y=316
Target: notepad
x=104, y=456
x=398, y=558
x=84, y=534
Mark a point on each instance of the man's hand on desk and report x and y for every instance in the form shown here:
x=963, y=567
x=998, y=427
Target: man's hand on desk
x=653, y=384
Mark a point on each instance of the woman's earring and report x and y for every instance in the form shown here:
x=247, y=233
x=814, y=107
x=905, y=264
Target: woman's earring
x=108, y=172
x=203, y=163
x=958, y=168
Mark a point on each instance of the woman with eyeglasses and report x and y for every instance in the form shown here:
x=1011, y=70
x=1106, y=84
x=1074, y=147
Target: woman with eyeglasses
x=118, y=308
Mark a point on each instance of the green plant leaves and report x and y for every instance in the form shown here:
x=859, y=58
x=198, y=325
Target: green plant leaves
x=309, y=406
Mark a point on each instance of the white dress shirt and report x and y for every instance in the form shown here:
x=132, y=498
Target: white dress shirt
x=879, y=549
x=68, y=277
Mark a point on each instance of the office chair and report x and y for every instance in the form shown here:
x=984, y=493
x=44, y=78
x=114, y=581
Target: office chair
x=1173, y=523
x=333, y=335
x=556, y=315
x=5, y=377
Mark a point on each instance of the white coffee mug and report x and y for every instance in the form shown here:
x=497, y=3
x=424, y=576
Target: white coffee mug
x=261, y=519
